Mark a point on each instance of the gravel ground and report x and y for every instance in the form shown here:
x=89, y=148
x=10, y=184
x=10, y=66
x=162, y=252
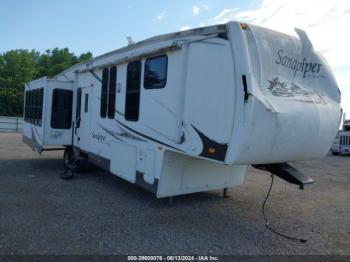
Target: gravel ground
x=98, y=213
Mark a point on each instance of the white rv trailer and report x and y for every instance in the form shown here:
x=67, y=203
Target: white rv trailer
x=188, y=111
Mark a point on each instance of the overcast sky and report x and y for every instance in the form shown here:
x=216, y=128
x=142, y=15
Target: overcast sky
x=100, y=26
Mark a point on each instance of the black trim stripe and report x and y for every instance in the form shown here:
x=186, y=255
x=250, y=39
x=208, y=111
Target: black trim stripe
x=220, y=149
x=147, y=137
x=95, y=75
x=110, y=133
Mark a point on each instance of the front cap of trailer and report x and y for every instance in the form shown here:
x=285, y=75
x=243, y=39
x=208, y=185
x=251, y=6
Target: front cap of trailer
x=287, y=99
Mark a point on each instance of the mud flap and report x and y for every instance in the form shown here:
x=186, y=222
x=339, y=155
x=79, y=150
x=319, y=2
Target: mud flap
x=287, y=173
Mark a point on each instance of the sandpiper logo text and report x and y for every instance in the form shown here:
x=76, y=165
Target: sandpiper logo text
x=100, y=138
x=296, y=65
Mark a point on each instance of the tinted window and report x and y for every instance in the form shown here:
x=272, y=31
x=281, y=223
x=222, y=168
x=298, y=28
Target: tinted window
x=78, y=109
x=26, y=107
x=155, y=72
x=30, y=106
x=132, y=101
x=41, y=102
x=33, y=108
x=61, y=112
x=104, y=92
x=112, y=91
x=86, y=103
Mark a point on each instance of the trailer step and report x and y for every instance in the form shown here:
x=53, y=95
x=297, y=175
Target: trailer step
x=287, y=173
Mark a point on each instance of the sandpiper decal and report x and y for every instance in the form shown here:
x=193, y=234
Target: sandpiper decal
x=110, y=132
x=305, y=66
x=99, y=138
x=295, y=92
x=57, y=134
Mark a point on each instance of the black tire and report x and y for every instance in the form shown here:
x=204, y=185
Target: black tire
x=335, y=153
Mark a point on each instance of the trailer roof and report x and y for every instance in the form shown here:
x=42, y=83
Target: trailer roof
x=170, y=36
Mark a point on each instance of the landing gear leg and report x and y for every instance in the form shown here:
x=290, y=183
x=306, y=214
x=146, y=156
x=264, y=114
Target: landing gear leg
x=69, y=162
x=224, y=193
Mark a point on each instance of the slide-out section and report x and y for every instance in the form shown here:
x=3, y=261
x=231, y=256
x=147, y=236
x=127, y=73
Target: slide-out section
x=48, y=113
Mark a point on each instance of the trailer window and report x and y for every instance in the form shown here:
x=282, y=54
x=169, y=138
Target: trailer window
x=78, y=109
x=104, y=92
x=155, y=72
x=112, y=91
x=133, y=81
x=41, y=102
x=61, y=111
x=34, y=106
x=86, y=103
x=108, y=92
x=26, y=107
x=30, y=106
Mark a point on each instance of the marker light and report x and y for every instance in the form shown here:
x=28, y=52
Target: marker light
x=211, y=150
x=243, y=26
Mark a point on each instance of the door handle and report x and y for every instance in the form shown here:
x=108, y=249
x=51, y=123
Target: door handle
x=119, y=88
x=77, y=125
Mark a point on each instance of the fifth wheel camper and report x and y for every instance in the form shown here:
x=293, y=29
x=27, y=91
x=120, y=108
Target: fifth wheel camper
x=189, y=111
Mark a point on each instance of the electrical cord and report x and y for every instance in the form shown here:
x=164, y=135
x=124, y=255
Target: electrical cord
x=267, y=221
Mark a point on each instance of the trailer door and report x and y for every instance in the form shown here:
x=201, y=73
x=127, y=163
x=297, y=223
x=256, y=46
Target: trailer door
x=83, y=123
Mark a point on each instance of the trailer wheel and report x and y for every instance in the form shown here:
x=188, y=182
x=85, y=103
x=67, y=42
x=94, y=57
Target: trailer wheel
x=69, y=163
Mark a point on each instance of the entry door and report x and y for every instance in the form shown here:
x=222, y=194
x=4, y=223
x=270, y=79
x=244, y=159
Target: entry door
x=83, y=131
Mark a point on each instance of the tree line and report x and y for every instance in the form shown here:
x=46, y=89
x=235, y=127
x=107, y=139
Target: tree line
x=20, y=66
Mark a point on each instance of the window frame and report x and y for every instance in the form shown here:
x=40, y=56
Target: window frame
x=86, y=103
x=78, y=107
x=166, y=72
x=26, y=106
x=65, y=127
x=41, y=104
x=33, y=106
x=130, y=92
x=30, y=102
x=112, y=91
x=104, y=92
